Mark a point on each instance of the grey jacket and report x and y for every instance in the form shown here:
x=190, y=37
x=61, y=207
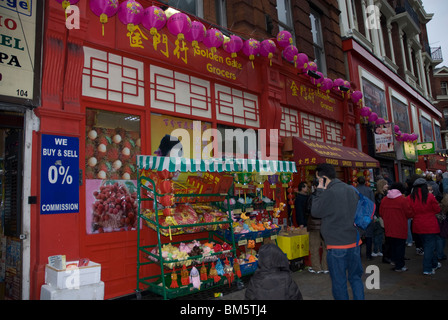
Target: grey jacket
x=336, y=206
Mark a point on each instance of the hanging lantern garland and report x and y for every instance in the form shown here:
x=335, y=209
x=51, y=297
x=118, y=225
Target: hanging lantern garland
x=104, y=9
x=131, y=13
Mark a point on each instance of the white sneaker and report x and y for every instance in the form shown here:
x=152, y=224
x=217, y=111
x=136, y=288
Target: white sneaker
x=379, y=254
x=374, y=254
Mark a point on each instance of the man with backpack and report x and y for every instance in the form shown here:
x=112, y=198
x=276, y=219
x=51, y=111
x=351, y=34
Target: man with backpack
x=335, y=202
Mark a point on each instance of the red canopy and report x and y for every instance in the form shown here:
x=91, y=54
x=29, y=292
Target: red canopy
x=308, y=152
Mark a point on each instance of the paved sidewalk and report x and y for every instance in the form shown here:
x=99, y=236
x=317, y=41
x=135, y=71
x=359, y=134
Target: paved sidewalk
x=408, y=285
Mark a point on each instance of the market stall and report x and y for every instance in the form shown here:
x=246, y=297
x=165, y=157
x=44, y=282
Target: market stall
x=209, y=217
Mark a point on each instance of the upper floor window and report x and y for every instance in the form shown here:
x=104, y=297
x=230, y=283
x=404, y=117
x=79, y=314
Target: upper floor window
x=318, y=43
x=444, y=88
x=221, y=12
x=285, y=21
x=194, y=7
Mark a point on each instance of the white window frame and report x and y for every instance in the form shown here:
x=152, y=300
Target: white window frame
x=318, y=41
x=221, y=12
x=198, y=3
x=287, y=25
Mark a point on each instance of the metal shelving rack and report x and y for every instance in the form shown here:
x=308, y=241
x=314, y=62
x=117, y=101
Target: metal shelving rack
x=158, y=283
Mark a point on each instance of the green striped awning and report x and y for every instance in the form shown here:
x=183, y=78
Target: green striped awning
x=174, y=164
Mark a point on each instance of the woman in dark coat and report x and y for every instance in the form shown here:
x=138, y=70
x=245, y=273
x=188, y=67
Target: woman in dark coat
x=272, y=280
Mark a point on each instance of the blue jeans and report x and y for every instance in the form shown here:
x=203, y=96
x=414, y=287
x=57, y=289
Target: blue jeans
x=345, y=264
x=440, y=247
x=429, y=247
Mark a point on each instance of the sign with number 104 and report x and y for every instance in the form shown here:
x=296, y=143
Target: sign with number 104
x=59, y=174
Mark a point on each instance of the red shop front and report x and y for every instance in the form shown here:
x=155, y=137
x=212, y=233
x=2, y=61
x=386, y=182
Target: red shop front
x=119, y=94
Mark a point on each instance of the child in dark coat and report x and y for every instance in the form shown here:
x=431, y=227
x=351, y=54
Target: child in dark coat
x=272, y=280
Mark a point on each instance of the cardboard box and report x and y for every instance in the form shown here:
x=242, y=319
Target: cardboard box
x=76, y=277
x=88, y=292
x=295, y=246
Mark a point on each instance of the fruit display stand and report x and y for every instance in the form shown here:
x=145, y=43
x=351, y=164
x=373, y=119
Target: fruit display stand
x=194, y=222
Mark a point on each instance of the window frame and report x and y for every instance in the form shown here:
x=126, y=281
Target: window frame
x=318, y=40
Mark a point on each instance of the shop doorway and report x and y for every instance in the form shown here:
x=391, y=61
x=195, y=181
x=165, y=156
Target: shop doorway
x=11, y=168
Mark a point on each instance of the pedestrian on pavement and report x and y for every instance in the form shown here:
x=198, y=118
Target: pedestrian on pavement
x=318, y=262
x=272, y=280
x=425, y=223
x=301, y=205
x=396, y=210
x=368, y=233
x=335, y=203
x=381, y=191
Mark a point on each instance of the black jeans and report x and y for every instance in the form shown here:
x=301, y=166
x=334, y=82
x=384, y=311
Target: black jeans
x=397, y=250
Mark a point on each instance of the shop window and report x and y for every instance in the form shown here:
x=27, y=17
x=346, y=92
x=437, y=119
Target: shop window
x=238, y=143
x=312, y=127
x=112, y=77
x=374, y=98
x=285, y=21
x=400, y=115
x=236, y=106
x=289, y=126
x=318, y=42
x=112, y=143
x=426, y=129
x=180, y=93
x=333, y=132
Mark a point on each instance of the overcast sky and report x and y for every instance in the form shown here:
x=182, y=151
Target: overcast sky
x=438, y=26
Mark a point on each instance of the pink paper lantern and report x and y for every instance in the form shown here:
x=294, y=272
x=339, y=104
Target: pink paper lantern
x=396, y=128
x=365, y=112
x=317, y=81
x=380, y=121
x=196, y=34
x=213, y=39
x=312, y=66
x=302, y=61
x=267, y=49
x=338, y=83
x=284, y=39
x=327, y=84
x=179, y=24
x=233, y=45
x=373, y=116
x=104, y=9
x=154, y=19
x=290, y=54
x=251, y=47
x=405, y=137
x=130, y=13
x=356, y=96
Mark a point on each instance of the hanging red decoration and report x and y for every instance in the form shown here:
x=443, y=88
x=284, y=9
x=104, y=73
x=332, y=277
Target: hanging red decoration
x=284, y=39
x=130, y=13
x=233, y=45
x=213, y=39
x=154, y=19
x=179, y=24
x=196, y=34
x=302, y=61
x=267, y=49
x=104, y=9
x=326, y=85
x=290, y=54
x=251, y=47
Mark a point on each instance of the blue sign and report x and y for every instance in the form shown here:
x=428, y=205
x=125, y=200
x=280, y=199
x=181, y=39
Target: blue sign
x=59, y=175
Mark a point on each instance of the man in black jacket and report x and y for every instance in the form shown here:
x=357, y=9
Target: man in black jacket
x=335, y=203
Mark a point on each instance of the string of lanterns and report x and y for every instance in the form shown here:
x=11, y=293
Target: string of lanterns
x=153, y=18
